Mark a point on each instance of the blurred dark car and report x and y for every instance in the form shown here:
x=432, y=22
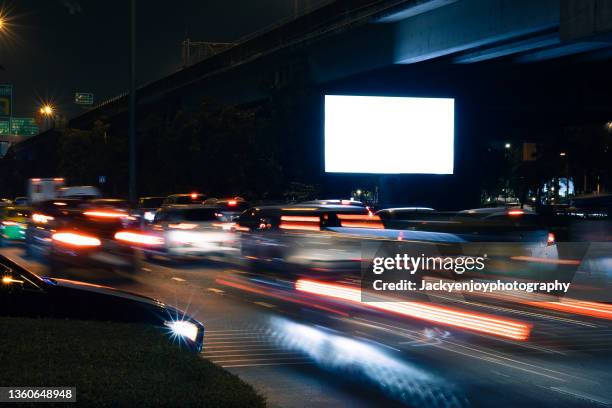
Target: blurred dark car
x=73, y=232
x=192, y=230
x=228, y=209
x=306, y=237
x=497, y=224
x=25, y=294
x=147, y=206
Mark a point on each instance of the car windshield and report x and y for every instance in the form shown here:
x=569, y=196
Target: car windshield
x=195, y=214
x=153, y=202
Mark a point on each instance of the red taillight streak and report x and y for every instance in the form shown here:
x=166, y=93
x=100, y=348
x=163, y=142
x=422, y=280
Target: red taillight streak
x=299, y=218
x=105, y=214
x=299, y=226
x=137, y=238
x=516, y=212
x=278, y=296
x=74, y=239
x=550, y=239
x=457, y=318
x=361, y=224
x=182, y=226
x=592, y=309
x=362, y=217
x=546, y=260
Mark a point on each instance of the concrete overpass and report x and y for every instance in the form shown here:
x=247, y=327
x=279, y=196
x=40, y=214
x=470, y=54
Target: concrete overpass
x=348, y=37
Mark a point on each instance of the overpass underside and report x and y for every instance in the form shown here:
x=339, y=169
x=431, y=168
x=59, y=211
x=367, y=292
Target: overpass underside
x=470, y=31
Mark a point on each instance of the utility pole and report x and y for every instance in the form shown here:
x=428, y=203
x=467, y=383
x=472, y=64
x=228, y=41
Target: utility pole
x=132, y=106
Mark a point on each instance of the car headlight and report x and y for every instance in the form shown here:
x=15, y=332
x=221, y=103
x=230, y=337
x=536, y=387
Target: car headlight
x=149, y=215
x=183, y=329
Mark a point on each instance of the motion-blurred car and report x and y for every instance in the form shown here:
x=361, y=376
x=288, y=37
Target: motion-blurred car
x=185, y=199
x=20, y=201
x=191, y=230
x=25, y=294
x=229, y=209
x=13, y=223
x=5, y=202
x=71, y=232
x=147, y=206
x=305, y=238
x=348, y=201
x=516, y=241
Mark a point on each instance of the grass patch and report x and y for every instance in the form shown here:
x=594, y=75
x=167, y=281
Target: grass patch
x=114, y=364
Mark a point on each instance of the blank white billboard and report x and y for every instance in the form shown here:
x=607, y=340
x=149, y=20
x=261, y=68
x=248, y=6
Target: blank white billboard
x=389, y=135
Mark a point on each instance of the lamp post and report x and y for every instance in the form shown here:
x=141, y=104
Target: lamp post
x=132, y=106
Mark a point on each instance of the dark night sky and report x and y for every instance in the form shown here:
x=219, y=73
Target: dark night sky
x=53, y=48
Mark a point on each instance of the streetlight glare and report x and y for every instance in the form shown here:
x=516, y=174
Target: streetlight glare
x=46, y=110
x=507, y=145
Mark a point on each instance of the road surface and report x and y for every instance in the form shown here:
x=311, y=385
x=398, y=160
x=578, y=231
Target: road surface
x=307, y=351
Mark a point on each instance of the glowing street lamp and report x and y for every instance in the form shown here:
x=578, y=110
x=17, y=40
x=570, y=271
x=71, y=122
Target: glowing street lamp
x=507, y=145
x=46, y=110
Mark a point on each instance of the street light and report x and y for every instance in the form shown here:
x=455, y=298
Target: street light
x=507, y=145
x=46, y=110
x=562, y=154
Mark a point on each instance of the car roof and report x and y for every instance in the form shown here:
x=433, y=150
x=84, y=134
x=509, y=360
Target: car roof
x=399, y=209
x=312, y=207
x=185, y=207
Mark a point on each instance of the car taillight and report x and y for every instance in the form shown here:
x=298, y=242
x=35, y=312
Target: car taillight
x=105, y=214
x=138, y=238
x=550, y=240
x=516, y=212
x=183, y=226
x=41, y=218
x=232, y=203
x=75, y=239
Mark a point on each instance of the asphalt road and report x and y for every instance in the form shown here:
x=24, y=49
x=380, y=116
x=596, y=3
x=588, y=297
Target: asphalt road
x=305, y=351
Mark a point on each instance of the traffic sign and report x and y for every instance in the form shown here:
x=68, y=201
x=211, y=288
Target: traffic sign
x=83, y=98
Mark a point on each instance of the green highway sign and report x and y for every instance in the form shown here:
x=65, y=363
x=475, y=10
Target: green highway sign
x=24, y=127
x=83, y=98
x=18, y=127
x=4, y=127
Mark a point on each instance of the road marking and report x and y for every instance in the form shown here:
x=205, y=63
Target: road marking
x=581, y=396
x=231, y=350
x=238, y=342
x=238, y=338
x=254, y=354
x=178, y=279
x=216, y=290
x=264, y=304
x=267, y=364
x=259, y=359
x=481, y=354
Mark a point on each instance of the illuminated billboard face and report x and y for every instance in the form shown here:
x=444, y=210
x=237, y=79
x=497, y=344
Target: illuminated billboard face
x=389, y=135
